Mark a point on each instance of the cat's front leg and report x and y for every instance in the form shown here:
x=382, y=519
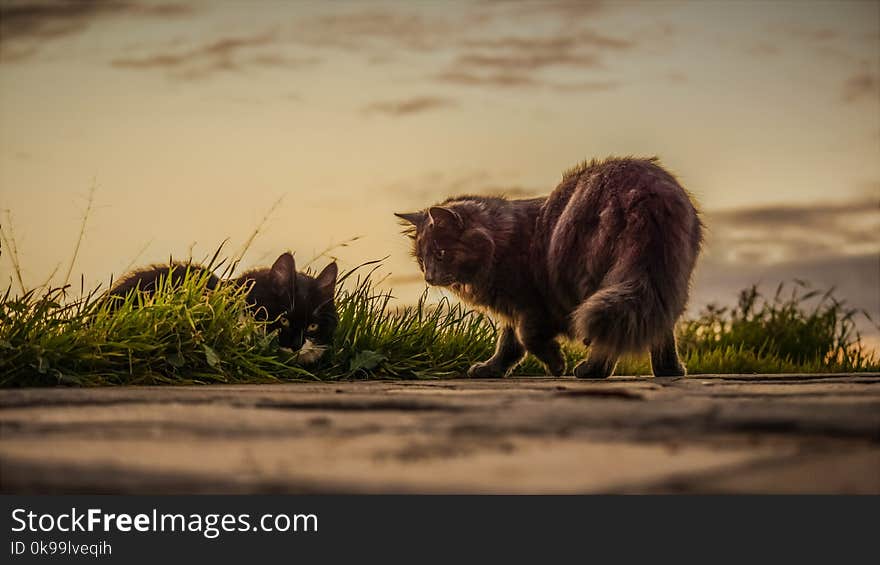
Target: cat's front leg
x=541, y=342
x=508, y=352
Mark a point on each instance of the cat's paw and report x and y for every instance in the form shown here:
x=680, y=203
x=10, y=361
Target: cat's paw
x=486, y=370
x=593, y=369
x=554, y=369
x=672, y=370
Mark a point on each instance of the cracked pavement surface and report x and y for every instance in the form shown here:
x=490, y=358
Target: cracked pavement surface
x=700, y=434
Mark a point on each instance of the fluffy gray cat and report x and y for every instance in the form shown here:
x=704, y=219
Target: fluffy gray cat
x=606, y=258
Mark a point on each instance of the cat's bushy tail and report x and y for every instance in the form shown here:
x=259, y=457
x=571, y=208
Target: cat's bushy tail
x=643, y=295
x=626, y=317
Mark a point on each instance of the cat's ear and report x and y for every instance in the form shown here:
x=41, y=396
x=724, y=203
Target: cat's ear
x=327, y=281
x=445, y=217
x=414, y=218
x=283, y=274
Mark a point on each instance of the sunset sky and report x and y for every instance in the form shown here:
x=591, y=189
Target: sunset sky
x=193, y=118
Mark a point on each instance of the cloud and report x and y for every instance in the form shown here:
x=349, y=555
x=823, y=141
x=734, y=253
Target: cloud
x=502, y=79
x=527, y=61
x=518, y=61
x=566, y=10
x=812, y=215
x=823, y=41
x=421, y=28
x=553, y=43
x=860, y=86
x=409, y=106
x=281, y=61
x=780, y=233
x=586, y=86
x=474, y=45
x=26, y=25
x=374, y=29
x=220, y=55
x=518, y=80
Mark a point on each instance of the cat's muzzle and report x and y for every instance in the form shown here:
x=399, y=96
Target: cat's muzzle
x=310, y=352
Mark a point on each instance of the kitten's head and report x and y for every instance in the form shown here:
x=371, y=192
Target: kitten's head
x=301, y=307
x=451, y=244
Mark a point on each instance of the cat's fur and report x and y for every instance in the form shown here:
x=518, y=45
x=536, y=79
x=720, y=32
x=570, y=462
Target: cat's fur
x=299, y=306
x=606, y=258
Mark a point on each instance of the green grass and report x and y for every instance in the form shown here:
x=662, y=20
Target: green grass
x=187, y=334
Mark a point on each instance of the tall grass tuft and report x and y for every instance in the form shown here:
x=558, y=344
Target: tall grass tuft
x=376, y=339
x=801, y=329
x=183, y=334
x=189, y=334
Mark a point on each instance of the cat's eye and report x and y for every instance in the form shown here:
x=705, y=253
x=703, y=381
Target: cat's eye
x=285, y=322
x=312, y=327
x=439, y=254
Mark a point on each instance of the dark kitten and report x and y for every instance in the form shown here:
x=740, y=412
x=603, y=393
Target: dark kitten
x=606, y=258
x=301, y=307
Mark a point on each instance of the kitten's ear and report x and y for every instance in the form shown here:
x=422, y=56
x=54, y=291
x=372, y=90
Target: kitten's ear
x=327, y=280
x=445, y=217
x=415, y=218
x=283, y=274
